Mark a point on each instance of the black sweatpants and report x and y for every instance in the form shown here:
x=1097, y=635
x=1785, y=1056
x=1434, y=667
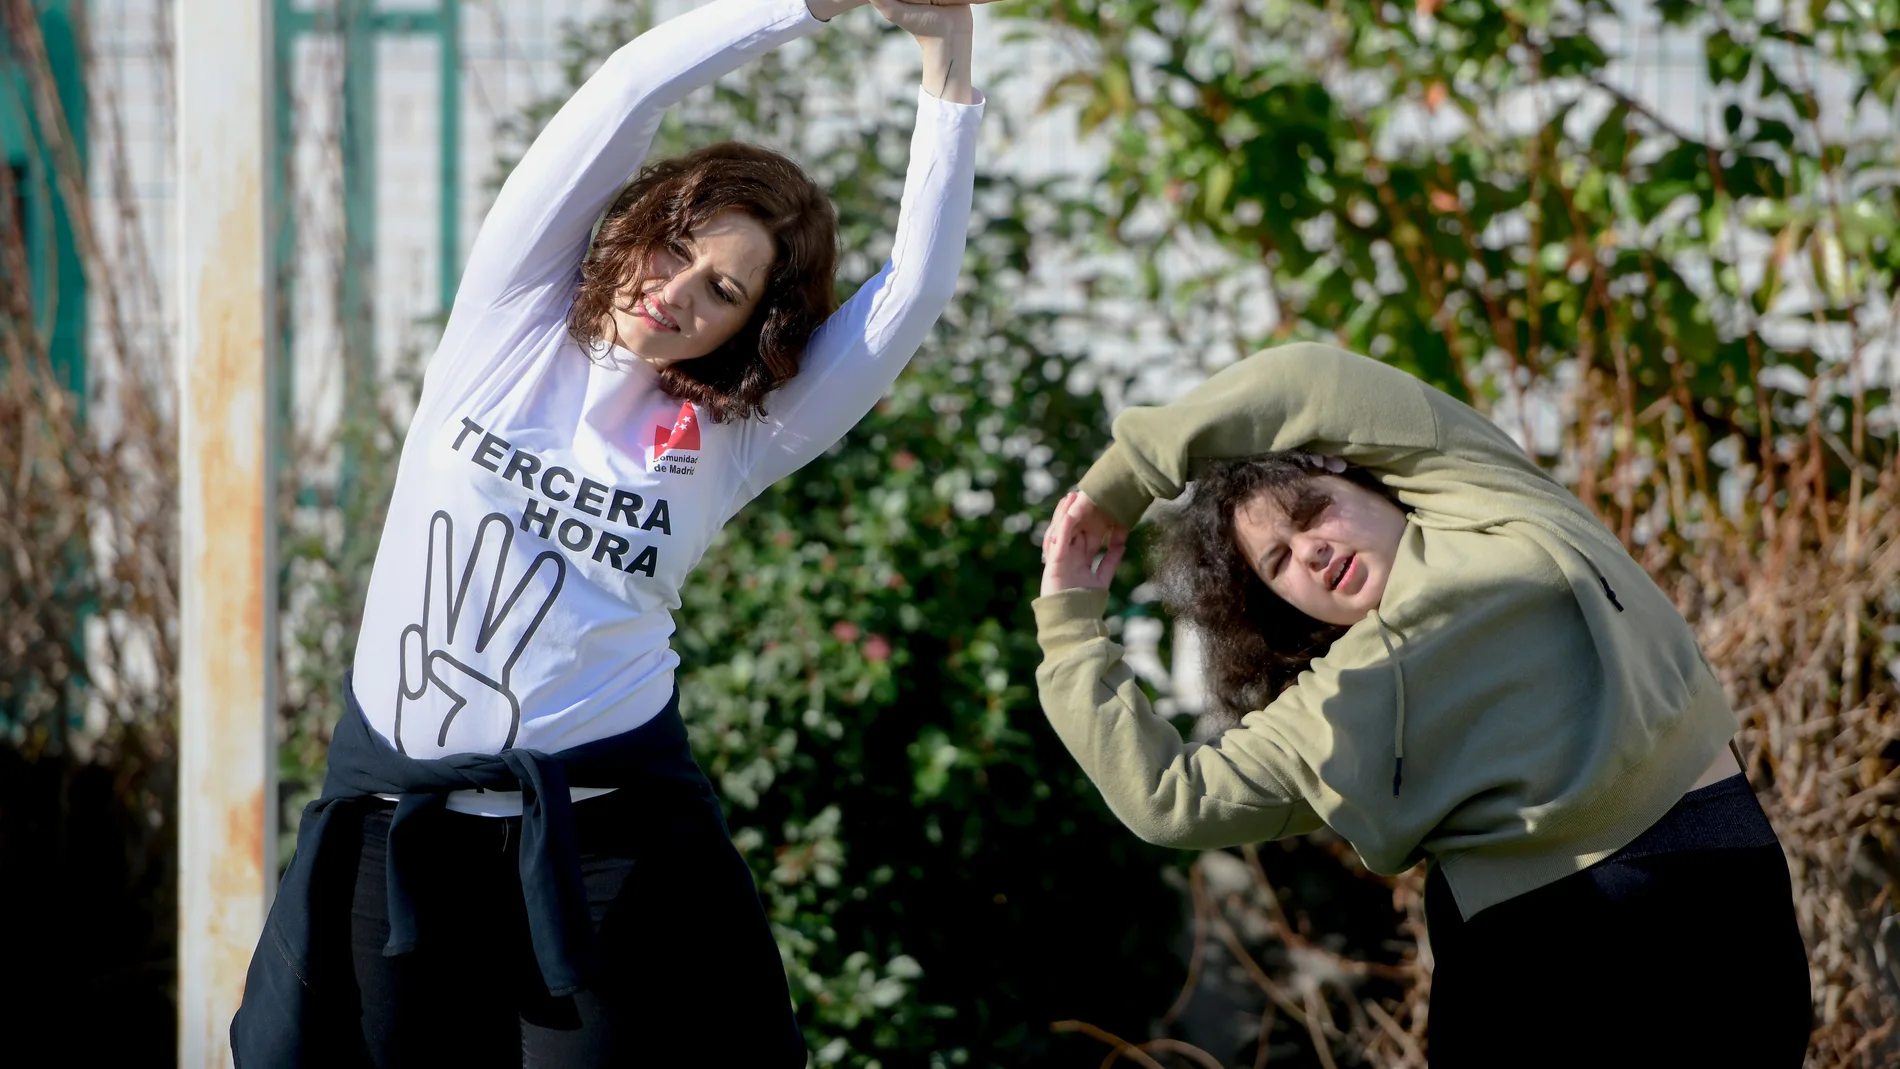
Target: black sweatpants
x=1680, y=950
x=689, y=973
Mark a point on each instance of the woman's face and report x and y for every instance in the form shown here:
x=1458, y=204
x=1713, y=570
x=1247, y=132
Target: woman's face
x=1330, y=554
x=699, y=293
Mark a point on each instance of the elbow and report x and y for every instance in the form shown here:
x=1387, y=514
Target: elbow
x=1169, y=819
x=1157, y=823
x=931, y=272
x=1186, y=834
x=938, y=289
x=636, y=54
x=1172, y=838
x=904, y=305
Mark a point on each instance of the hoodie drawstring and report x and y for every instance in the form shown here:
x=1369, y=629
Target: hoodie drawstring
x=1398, y=720
x=1607, y=592
x=1392, y=657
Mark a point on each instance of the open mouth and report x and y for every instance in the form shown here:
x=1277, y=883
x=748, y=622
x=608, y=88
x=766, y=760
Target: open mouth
x=651, y=309
x=1337, y=573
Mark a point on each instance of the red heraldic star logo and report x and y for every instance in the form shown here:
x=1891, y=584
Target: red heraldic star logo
x=684, y=434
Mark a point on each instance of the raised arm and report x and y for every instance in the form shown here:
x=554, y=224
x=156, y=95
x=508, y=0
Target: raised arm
x=855, y=356
x=1441, y=458
x=1240, y=788
x=1293, y=397
x=531, y=243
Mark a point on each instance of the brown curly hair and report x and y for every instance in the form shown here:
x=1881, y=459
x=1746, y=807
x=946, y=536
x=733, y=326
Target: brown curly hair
x=1254, y=645
x=670, y=199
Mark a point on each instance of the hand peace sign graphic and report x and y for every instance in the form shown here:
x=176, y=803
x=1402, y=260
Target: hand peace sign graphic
x=443, y=702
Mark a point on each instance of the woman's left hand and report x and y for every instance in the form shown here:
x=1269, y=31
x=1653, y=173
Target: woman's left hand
x=924, y=19
x=1069, y=548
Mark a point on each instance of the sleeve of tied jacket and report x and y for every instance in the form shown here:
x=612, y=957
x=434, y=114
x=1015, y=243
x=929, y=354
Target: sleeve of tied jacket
x=1239, y=788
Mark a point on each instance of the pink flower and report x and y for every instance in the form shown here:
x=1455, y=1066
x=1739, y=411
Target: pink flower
x=845, y=631
x=904, y=461
x=877, y=648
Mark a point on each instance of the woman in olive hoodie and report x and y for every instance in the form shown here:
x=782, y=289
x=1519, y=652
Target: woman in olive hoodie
x=1445, y=658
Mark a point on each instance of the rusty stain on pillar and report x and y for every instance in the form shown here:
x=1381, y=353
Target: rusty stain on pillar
x=227, y=619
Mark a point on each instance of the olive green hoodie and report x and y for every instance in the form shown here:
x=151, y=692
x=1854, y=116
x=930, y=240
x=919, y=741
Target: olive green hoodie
x=1523, y=703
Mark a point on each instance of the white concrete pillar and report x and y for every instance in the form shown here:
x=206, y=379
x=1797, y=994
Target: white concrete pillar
x=227, y=545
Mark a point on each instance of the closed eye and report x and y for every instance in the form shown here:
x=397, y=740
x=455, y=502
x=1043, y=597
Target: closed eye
x=1308, y=509
x=1273, y=562
x=735, y=290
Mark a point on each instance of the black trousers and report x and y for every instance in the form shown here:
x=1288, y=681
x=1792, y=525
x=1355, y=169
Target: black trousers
x=688, y=970
x=1681, y=950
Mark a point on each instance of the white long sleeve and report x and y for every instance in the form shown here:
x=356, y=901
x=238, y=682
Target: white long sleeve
x=858, y=352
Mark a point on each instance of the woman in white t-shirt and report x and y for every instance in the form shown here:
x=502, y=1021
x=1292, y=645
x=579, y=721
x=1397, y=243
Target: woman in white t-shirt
x=519, y=861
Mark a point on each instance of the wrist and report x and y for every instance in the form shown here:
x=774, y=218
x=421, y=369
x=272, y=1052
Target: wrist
x=947, y=67
x=952, y=45
x=1068, y=617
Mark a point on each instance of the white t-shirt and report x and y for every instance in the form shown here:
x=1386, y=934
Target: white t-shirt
x=550, y=501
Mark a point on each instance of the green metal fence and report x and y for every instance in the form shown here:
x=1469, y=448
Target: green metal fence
x=56, y=273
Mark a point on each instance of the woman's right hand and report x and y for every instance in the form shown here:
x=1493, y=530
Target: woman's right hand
x=1077, y=532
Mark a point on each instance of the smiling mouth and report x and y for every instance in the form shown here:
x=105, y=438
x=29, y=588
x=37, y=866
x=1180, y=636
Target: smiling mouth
x=1337, y=574
x=651, y=310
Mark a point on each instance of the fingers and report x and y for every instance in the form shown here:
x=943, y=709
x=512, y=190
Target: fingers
x=1065, y=563
x=1051, y=570
x=1062, y=527
x=412, y=678
x=438, y=582
x=1090, y=518
x=1081, y=547
x=520, y=616
x=478, y=588
x=1055, y=518
x=1112, y=556
x=476, y=713
x=1071, y=547
x=1077, y=513
x=488, y=611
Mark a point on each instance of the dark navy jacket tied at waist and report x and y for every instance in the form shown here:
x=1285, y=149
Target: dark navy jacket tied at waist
x=277, y=1000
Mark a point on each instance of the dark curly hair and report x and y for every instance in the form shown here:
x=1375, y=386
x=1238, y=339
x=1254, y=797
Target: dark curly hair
x=1253, y=643
x=671, y=198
